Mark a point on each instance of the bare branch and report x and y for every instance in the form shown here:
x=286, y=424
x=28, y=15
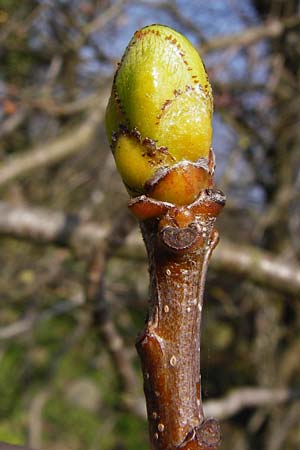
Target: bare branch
x=26, y=324
x=55, y=227
x=49, y=227
x=35, y=417
x=103, y=321
x=224, y=408
x=105, y=17
x=243, y=398
x=235, y=402
x=271, y=29
x=67, y=144
x=102, y=318
x=258, y=265
x=66, y=109
x=98, y=22
x=11, y=123
x=4, y=446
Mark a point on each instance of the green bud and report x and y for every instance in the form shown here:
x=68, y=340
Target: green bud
x=159, y=113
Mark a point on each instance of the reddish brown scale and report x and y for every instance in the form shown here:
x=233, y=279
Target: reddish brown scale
x=164, y=150
x=138, y=34
x=177, y=92
x=118, y=102
x=167, y=102
x=150, y=145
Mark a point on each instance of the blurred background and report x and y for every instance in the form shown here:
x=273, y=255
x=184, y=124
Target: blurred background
x=74, y=281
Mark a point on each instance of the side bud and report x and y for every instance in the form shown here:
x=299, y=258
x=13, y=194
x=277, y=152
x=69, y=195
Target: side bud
x=159, y=115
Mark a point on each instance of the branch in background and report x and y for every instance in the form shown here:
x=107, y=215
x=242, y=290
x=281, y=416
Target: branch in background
x=54, y=227
x=66, y=109
x=247, y=397
x=106, y=16
x=224, y=408
x=271, y=29
x=50, y=227
x=228, y=406
x=28, y=323
x=97, y=23
x=259, y=265
x=18, y=24
x=4, y=446
x=11, y=123
x=43, y=155
x=35, y=417
x=251, y=35
x=96, y=298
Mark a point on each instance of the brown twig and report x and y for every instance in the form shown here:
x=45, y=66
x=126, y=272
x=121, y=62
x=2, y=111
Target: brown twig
x=179, y=242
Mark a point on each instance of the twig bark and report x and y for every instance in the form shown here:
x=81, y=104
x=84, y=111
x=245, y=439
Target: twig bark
x=179, y=242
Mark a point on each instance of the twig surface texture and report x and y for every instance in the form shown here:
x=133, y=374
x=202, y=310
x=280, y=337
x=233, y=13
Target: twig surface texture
x=179, y=246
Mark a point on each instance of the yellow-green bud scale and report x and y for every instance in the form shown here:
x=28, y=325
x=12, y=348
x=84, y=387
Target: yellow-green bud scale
x=160, y=109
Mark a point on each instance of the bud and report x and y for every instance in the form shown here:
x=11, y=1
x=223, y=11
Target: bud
x=159, y=113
